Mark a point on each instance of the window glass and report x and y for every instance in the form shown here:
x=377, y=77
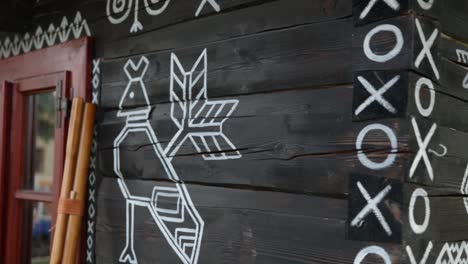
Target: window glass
x=39, y=152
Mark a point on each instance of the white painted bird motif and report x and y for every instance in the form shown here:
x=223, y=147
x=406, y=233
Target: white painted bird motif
x=199, y=121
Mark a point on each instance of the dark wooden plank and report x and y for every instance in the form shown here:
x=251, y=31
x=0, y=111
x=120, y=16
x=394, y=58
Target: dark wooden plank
x=241, y=226
x=226, y=25
x=304, y=56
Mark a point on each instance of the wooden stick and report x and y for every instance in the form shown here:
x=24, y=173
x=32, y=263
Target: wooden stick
x=68, y=174
x=79, y=190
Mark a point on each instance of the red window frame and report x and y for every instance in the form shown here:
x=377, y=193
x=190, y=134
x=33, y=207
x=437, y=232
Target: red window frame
x=69, y=63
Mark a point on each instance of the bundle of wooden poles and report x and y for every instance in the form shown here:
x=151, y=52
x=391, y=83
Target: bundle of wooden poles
x=71, y=205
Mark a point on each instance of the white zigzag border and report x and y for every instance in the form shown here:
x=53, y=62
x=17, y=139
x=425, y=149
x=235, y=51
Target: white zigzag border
x=40, y=39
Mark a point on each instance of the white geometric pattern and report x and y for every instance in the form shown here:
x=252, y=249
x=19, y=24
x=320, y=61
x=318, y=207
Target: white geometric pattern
x=45, y=38
x=453, y=253
x=91, y=214
x=464, y=189
x=196, y=118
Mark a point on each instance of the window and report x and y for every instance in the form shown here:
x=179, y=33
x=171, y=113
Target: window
x=33, y=129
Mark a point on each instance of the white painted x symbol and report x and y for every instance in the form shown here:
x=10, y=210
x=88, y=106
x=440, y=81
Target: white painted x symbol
x=96, y=68
x=95, y=98
x=426, y=50
x=391, y=3
x=213, y=3
x=372, y=206
x=377, y=95
x=422, y=153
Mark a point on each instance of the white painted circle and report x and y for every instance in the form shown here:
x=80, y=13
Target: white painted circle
x=362, y=156
x=417, y=228
x=375, y=250
x=392, y=53
x=426, y=5
x=417, y=96
x=132, y=94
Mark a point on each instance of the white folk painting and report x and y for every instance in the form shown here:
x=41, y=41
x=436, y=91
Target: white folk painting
x=200, y=122
x=54, y=34
x=453, y=253
x=120, y=10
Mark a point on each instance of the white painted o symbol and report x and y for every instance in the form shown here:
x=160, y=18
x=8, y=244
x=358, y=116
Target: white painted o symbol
x=389, y=55
x=362, y=156
x=426, y=5
x=417, y=228
x=417, y=96
x=372, y=250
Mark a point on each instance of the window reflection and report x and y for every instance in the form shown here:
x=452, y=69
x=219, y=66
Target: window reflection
x=36, y=242
x=40, y=129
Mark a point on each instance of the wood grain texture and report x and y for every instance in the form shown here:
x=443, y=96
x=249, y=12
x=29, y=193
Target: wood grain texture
x=277, y=60
x=243, y=226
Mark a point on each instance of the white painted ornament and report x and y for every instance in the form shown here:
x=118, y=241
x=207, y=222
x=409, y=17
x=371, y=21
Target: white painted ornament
x=119, y=10
x=180, y=222
x=422, y=152
x=426, y=50
x=372, y=207
x=54, y=34
x=372, y=250
x=393, y=144
x=426, y=4
x=462, y=56
x=425, y=257
x=464, y=189
x=390, y=54
x=212, y=3
x=453, y=253
x=377, y=95
x=426, y=112
x=415, y=227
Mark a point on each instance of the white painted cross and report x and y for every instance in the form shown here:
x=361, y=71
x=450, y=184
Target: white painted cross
x=213, y=3
x=426, y=50
x=377, y=95
x=422, y=153
x=372, y=206
x=393, y=4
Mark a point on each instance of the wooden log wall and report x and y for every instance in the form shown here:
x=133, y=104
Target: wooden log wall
x=277, y=131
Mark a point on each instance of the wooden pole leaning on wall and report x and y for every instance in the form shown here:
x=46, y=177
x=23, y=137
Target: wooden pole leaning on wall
x=78, y=193
x=71, y=154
